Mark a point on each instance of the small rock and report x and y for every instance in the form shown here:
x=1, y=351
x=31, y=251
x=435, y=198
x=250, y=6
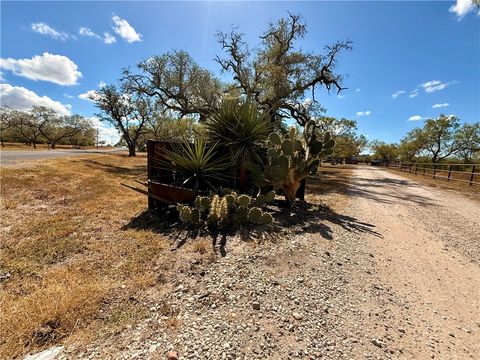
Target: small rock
x=297, y=316
x=48, y=354
x=377, y=342
x=172, y=355
x=256, y=305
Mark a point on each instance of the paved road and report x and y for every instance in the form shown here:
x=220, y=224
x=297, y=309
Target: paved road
x=12, y=156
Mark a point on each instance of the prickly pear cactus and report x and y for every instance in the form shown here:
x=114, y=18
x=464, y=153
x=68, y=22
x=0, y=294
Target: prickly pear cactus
x=290, y=160
x=227, y=210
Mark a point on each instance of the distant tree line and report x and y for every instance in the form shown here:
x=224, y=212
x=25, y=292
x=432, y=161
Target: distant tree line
x=41, y=125
x=438, y=140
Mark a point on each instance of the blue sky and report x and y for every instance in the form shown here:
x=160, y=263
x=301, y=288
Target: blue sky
x=420, y=51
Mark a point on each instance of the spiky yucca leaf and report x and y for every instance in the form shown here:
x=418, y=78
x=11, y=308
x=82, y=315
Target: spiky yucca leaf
x=197, y=163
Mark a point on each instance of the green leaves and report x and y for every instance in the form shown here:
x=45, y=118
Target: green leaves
x=240, y=127
x=197, y=164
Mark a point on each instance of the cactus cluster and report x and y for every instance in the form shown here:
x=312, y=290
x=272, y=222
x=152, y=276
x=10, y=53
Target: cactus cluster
x=227, y=210
x=290, y=160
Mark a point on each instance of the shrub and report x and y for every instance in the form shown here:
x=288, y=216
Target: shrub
x=197, y=165
x=241, y=129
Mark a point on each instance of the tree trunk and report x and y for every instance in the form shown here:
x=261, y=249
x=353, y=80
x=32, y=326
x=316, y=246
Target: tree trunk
x=131, y=150
x=34, y=145
x=53, y=146
x=290, y=191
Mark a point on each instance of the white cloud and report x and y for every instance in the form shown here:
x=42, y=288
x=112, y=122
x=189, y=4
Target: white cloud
x=340, y=96
x=101, y=84
x=436, y=106
x=462, y=8
x=19, y=98
x=398, y=93
x=47, y=30
x=413, y=93
x=364, y=113
x=85, y=31
x=125, y=30
x=90, y=95
x=68, y=96
x=415, y=118
x=109, y=39
x=47, y=67
x=108, y=134
x=435, y=85
x=357, y=89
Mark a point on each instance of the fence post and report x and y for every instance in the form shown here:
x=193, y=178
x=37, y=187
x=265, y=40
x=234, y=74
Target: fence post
x=434, y=170
x=449, y=171
x=472, y=174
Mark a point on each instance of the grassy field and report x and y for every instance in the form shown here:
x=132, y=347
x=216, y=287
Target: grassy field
x=78, y=257
x=69, y=259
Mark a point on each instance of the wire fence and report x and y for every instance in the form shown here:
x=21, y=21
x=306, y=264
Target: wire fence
x=465, y=173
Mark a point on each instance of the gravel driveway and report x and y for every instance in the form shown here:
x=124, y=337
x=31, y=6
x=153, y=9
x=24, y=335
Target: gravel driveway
x=395, y=275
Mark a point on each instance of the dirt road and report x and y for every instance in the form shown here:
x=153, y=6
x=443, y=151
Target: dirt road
x=428, y=255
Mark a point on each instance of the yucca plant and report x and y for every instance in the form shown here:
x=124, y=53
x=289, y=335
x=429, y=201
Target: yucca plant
x=197, y=164
x=241, y=128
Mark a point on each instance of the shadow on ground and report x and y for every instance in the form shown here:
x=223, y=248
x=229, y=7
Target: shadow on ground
x=379, y=189
x=117, y=170
x=306, y=218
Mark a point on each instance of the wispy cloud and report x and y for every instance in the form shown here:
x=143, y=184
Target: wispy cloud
x=413, y=93
x=462, y=8
x=125, y=30
x=436, y=106
x=85, y=31
x=398, y=93
x=108, y=38
x=415, y=118
x=363, y=113
x=45, y=29
x=436, y=85
x=357, y=90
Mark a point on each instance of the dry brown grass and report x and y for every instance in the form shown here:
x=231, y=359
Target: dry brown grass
x=202, y=245
x=427, y=179
x=70, y=257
